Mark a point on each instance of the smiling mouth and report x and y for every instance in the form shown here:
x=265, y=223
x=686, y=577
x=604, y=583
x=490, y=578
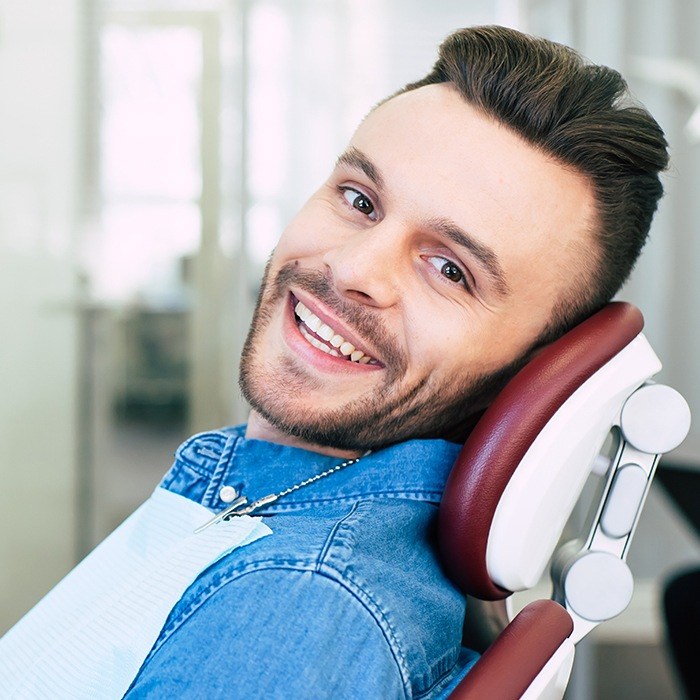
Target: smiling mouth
x=327, y=339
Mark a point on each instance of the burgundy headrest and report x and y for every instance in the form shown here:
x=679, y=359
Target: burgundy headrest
x=505, y=432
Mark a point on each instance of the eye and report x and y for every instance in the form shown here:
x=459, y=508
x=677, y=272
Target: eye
x=359, y=201
x=448, y=269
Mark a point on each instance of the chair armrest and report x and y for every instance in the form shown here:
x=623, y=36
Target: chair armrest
x=514, y=660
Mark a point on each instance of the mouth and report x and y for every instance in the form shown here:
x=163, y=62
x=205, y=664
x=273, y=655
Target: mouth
x=326, y=338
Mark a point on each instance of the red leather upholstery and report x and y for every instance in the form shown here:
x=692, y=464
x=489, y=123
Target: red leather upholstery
x=507, y=429
x=513, y=661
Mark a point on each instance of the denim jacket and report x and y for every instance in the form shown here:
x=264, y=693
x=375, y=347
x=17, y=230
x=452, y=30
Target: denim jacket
x=346, y=599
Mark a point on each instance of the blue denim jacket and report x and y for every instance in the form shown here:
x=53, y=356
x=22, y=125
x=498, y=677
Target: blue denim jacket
x=346, y=599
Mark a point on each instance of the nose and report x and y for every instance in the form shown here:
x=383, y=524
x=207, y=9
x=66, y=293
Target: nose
x=367, y=265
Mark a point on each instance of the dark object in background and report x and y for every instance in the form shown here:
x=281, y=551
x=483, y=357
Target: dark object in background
x=682, y=612
x=682, y=483
x=682, y=592
x=152, y=387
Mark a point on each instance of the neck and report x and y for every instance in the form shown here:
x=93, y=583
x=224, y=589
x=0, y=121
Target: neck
x=261, y=429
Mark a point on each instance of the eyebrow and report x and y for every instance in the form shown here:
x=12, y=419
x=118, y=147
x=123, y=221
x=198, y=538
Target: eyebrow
x=354, y=158
x=487, y=259
x=485, y=256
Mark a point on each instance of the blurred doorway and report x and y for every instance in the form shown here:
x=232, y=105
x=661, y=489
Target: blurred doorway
x=154, y=268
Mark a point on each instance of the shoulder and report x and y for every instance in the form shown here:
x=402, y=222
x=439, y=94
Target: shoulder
x=353, y=574
x=384, y=550
x=367, y=612
x=274, y=632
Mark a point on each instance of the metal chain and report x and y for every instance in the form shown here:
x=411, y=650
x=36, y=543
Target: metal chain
x=328, y=472
x=239, y=507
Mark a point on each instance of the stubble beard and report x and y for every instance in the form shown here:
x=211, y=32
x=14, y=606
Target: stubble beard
x=392, y=413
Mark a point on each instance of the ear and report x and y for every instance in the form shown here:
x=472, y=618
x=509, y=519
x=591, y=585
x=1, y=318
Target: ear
x=539, y=435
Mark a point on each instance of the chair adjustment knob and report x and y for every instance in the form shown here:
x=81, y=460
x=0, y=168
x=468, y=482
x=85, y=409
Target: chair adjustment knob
x=655, y=419
x=598, y=586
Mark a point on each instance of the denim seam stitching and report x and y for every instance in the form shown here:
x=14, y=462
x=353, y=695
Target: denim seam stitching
x=181, y=464
x=331, y=535
x=236, y=573
x=224, y=459
x=359, y=585
x=346, y=579
x=375, y=496
x=181, y=460
x=444, y=681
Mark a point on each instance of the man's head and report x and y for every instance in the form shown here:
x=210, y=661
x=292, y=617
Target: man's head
x=474, y=215
x=579, y=114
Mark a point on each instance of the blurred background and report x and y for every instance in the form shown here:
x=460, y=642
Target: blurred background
x=150, y=155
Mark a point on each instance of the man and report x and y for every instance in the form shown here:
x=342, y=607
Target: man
x=474, y=216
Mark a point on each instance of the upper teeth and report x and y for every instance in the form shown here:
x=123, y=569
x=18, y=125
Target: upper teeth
x=323, y=330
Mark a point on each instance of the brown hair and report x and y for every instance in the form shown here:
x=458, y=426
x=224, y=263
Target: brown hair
x=581, y=114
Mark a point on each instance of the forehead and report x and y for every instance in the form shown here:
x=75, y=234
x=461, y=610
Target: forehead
x=440, y=157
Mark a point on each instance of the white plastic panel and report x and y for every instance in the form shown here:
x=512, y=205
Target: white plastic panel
x=541, y=494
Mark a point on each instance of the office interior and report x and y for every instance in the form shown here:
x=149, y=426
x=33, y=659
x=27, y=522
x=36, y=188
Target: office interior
x=150, y=155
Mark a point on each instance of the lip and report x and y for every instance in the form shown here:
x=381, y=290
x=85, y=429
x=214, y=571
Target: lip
x=300, y=346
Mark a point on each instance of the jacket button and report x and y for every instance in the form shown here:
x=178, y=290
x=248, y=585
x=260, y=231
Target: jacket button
x=228, y=494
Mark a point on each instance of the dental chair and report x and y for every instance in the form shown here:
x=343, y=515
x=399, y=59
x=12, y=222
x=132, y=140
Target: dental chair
x=584, y=405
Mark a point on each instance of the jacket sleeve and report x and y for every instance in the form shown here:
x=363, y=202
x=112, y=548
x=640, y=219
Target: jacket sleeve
x=274, y=633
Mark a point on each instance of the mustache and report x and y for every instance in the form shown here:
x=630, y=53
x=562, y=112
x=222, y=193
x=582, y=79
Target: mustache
x=360, y=317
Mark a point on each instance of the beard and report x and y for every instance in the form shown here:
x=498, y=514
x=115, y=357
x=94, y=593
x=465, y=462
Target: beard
x=391, y=413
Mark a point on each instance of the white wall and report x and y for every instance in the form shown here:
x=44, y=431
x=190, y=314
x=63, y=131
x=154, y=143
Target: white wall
x=39, y=119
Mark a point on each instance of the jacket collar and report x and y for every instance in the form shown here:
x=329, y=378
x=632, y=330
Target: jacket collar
x=416, y=469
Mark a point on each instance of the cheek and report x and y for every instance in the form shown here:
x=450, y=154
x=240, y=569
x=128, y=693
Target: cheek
x=440, y=343
x=309, y=233
x=451, y=346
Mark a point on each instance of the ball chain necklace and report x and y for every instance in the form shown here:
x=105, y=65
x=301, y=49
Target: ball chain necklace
x=241, y=506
